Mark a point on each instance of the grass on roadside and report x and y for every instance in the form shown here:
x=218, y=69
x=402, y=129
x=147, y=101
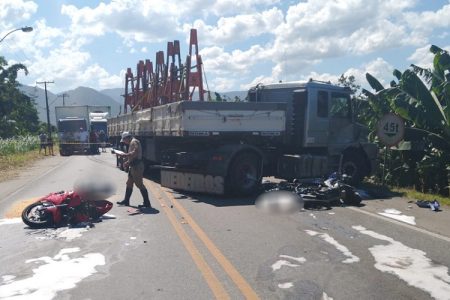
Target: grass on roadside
x=413, y=194
x=382, y=191
x=17, y=153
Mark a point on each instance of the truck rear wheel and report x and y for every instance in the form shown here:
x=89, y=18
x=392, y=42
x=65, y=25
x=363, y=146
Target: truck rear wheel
x=244, y=174
x=354, y=165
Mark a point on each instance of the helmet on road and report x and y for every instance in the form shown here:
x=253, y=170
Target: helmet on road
x=125, y=134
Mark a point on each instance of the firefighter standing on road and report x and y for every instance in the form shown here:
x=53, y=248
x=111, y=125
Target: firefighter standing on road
x=136, y=171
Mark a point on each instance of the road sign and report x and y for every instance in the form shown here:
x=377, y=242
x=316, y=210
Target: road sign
x=391, y=129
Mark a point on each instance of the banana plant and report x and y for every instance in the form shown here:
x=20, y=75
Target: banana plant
x=425, y=106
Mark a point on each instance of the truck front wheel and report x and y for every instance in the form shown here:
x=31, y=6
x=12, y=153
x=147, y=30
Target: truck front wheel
x=244, y=174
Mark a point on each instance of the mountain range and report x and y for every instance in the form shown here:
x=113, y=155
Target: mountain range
x=88, y=96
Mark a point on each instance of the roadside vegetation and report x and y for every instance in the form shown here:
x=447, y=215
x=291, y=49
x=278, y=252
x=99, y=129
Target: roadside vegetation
x=422, y=98
x=19, y=122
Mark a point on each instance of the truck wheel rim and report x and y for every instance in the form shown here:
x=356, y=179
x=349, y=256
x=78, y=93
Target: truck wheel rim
x=350, y=168
x=247, y=175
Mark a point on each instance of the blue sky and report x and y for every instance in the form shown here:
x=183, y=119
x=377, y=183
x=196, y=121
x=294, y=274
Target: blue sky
x=242, y=43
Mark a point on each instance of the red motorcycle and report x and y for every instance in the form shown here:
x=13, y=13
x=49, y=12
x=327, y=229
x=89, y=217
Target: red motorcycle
x=63, y=207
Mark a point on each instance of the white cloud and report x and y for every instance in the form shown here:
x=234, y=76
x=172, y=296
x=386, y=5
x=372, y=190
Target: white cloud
x=222, y=84
x=427, y=21
x=379, y=68
x=14, y=12
x=257, y=80
x=131, y=19
x=249, y=41
x=237, y=28
x=320, y=29
x=422, y=57
x=230, y=7
x=217, y=61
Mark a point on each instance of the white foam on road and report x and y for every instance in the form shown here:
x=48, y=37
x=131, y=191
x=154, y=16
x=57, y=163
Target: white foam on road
x=56, y=274
x=398, y=215
x=285, y=285
x=409, y=264
x=71, y=233
x=8, y=278
x=10, y=221
x=298, y=259
x=326, y=297
x=64, y=233
x=279, y=263
x=329, y=239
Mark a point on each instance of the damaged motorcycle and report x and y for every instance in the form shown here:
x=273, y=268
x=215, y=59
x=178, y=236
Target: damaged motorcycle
x=60, y=208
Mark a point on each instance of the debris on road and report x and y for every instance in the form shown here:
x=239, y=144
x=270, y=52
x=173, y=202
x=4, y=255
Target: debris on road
x=288, y=197
x=433, y=205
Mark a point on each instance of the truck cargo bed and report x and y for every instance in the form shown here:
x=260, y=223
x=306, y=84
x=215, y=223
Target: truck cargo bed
x=188, y=118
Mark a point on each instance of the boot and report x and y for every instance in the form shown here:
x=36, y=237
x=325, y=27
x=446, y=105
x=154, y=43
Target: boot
x=147, y=204
x=126, y=201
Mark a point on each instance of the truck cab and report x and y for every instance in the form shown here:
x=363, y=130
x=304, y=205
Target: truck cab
x=319, y=123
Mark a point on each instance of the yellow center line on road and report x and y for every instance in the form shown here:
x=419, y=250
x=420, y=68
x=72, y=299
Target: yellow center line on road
x=226, y=265
x=213, y=282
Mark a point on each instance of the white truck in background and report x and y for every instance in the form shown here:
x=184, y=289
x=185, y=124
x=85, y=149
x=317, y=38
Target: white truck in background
x=75, y=123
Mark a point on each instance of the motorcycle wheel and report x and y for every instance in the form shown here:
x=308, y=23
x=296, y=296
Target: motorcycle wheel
x=35, y=217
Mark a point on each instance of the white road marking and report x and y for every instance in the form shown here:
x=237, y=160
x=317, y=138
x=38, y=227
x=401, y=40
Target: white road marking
x=398, y=215
x=327, y=238
x=409, y=264
x=10, y=221
x=417, y=229
x=56, y=274
x=285, y=285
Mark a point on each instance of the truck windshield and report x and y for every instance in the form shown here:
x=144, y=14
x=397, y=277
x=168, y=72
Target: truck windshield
x=99, y=126
x=340, y=106
x=71, y=125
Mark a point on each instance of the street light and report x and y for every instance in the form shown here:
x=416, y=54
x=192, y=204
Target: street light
x=24, y=29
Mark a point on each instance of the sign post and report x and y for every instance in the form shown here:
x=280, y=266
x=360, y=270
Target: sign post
x=390, y=131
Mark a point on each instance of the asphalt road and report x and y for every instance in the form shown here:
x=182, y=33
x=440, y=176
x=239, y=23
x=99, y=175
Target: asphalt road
x=204, y=247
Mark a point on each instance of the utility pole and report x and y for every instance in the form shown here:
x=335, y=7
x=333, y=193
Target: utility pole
x=63, y=96
x=46, y=104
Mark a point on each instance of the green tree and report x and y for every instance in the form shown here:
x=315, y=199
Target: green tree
x=18, y=114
